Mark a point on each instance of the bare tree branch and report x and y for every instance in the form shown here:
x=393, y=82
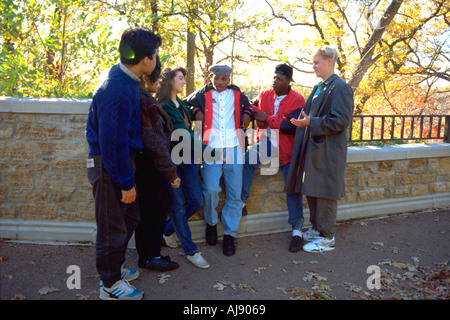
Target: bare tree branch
x=367, y=59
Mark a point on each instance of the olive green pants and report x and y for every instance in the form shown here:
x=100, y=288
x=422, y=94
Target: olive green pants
x=322, y=215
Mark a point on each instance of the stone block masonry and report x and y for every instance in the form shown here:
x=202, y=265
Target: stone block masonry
x=45, y=195
x=42, y=166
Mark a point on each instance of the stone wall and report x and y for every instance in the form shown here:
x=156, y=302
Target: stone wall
x=365, y=182
x=45, y=195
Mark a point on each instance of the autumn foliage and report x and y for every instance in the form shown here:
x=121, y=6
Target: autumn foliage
x=394, y=54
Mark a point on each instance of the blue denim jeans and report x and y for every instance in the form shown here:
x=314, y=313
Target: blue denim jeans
x=253, y=158
x=294, y=200
x=231, y=170
x=294, y=204
x=180, y=210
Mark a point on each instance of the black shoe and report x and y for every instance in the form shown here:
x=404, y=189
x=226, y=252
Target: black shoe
x=296, y=244
x=159, y=264
x=211, y=235
x=229, y=248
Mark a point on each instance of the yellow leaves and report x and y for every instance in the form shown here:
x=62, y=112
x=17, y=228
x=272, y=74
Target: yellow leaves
x=398, y=95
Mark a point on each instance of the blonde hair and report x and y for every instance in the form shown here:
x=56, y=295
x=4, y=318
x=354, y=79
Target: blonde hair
x=327, y=52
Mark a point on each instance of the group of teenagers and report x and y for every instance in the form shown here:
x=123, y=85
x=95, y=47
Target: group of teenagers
x=139, y=189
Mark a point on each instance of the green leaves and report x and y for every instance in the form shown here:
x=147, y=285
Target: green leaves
x=54, y=48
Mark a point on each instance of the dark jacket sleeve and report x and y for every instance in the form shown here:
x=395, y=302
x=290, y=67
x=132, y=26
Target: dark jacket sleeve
x=255, y=102
x=286, y=126
x=196, y=101
x=245, y=106
x=156, y=133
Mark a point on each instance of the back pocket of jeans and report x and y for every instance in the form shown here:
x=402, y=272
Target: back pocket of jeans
x=94, y=170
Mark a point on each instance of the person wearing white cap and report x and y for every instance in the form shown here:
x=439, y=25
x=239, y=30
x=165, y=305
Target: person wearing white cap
x=224, y=110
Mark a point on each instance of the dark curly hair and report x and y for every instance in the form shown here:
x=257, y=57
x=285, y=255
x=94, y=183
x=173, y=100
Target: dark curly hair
x=155, y=75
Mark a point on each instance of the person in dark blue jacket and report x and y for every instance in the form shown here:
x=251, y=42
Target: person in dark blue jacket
x=113, y=133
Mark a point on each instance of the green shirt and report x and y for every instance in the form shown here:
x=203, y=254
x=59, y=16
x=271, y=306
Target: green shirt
x=179, y=123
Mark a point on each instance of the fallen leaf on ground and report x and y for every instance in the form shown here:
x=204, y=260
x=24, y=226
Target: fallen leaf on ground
x=395, y=250
x=258, y=269
x=46, y=290
x=219, y=286
x=246, y=288
x=351, y=287
x=163, y=277
x=313, y=275
x=316, y=295
x=321, y=287
x=401, y=265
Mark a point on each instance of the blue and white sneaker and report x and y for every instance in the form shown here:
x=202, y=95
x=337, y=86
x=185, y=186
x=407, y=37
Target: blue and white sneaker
x=129, y=274
x=121, y=290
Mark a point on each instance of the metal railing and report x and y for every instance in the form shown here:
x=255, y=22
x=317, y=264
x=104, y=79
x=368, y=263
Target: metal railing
x=367, y=128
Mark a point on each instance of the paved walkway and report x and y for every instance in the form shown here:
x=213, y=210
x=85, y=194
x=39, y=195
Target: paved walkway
x=412, y=251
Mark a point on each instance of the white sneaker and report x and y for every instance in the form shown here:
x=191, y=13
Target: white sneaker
x=171, y=241
x=310, y=234
x=198, y=261
x=121, y=290
x=321, y=244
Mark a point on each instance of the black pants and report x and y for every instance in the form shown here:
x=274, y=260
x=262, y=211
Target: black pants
x=116, y=222
x=153, y=195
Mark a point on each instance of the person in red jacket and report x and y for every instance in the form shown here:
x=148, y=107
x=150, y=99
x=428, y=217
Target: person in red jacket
x=273, y=110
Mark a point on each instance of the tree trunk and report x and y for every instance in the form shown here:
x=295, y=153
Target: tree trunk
x=209, y=57
x=154, y=9
x=190, y=56
x=366, y=56
x=190, y=62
